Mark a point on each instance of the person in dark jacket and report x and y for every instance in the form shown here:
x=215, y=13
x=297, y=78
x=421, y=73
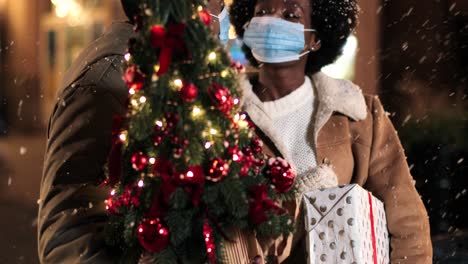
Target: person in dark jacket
x=72, y=213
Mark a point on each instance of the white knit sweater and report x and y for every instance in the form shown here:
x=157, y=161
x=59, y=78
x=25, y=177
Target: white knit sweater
x=292, y=119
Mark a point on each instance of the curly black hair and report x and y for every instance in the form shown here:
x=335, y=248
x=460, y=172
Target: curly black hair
x=334, y=20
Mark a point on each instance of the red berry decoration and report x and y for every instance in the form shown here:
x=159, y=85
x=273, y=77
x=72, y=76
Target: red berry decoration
x=281, y=174
x=175, y=140
x=177, y=153
x=247, y=151
x=244, y=171
x=209, y=242
x=112, y=205
x=171, y=119
x=139, y=161
x=188, y=93
x=235, y=154
x=205, y=17
x=134, y=78
x=218, y=169
x=153, y=235
x=257, y=145
x=157, y=140
x=130, y=196
x=238, y=66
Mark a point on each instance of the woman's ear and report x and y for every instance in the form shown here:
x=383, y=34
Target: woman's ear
x=314, y=43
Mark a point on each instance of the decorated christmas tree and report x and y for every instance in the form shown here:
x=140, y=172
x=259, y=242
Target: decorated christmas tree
x=185, y=165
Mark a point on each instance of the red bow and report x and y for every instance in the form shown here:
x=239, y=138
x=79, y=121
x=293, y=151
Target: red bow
x=262, y=204
x=191, y=180
x=167, y=41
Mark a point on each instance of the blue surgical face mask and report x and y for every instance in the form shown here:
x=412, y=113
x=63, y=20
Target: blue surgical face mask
x=224, y=25
x=275, y=40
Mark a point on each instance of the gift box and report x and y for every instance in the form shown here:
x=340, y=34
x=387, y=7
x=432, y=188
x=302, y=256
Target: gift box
x=345, y=224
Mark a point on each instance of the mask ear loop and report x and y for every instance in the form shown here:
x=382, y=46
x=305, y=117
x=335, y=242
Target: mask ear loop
x=221, y=15
x=318, y=42
x=305, y=52
x=246, y=25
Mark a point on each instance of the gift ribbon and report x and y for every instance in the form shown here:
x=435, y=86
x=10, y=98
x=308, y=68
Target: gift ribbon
x=374, y=244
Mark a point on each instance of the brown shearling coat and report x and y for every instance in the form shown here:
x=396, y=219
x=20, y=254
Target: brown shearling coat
x=353, y=134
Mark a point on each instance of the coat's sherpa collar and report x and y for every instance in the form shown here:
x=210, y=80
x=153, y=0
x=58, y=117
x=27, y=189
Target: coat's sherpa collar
x=334, y=95
x=340, y=95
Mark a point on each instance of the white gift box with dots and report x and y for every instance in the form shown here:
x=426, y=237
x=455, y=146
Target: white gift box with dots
x=339, y=227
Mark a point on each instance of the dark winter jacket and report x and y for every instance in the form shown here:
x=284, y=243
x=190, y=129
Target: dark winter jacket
x=72, y=213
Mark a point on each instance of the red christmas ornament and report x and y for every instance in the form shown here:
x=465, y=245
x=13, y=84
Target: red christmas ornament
x=188, y=93
x=221, y=97
x=205, y=17
x=139, y=161
x=209, y=242
x=153, y=235
x=217, y=170
x=281, y=173
x=134, y=78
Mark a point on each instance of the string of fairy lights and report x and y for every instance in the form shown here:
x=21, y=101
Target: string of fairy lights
x=137, y=101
